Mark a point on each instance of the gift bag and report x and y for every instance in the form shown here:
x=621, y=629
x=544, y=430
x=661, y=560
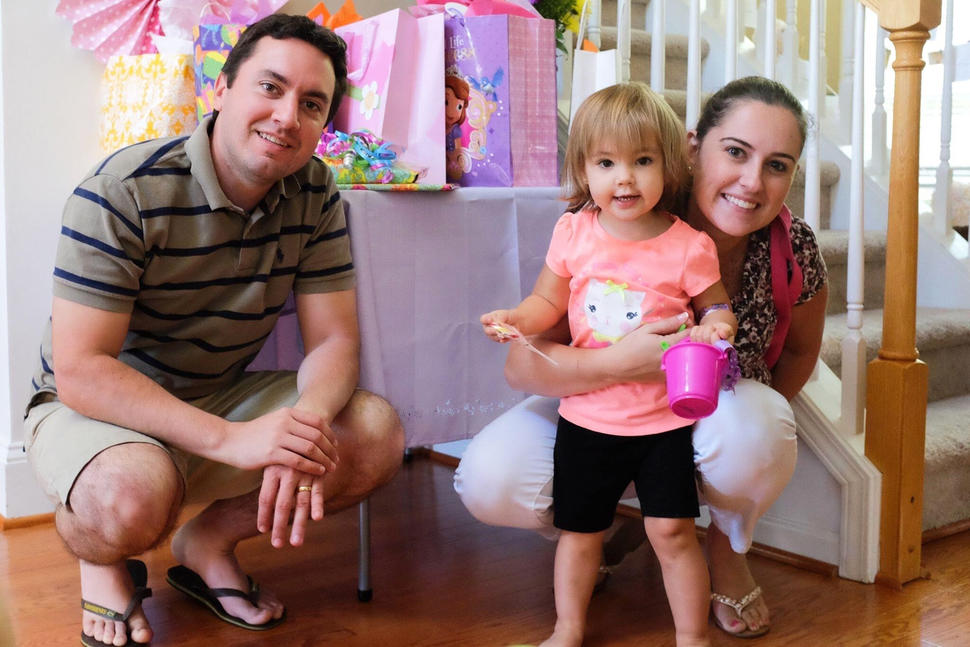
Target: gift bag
x=144, y=97
x=592, y=69
x=395, y=69
x=508, y=137
x=213, y=42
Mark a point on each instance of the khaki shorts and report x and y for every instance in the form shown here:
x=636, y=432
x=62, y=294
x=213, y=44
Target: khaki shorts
x=60, y=442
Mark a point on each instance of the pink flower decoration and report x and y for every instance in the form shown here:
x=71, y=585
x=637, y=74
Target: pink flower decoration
x=110, y=27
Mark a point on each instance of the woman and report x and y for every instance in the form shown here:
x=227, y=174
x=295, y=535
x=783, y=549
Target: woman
x=744, y=452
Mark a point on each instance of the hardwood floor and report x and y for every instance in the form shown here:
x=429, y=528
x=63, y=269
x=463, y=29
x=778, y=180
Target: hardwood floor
x=441, y=578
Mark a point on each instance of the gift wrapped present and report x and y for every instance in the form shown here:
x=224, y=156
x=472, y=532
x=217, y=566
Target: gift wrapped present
x=146, y=96
x=213, y=42
x=362, y=158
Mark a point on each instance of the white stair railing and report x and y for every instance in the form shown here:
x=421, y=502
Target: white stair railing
x=594, y=27
x=942, y=205
x=812, y=213
x=623, y=38
x=846, y=81
x=789, y=72
x=731, y=42
x=879, y=162
x=854, y=344
x=658, y=53
x=693, y=65
x=770, y=37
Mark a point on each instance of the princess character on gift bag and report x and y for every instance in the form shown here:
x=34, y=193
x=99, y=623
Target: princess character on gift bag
x=618, y=259
x=456, y=104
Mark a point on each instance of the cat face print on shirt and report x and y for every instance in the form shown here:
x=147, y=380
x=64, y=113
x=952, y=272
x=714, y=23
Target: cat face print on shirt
x=612, y=309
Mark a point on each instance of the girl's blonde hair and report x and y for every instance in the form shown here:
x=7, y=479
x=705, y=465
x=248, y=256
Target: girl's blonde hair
x=625, y=114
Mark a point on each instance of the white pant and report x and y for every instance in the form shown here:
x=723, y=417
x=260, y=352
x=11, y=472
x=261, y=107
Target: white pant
x=744, y=452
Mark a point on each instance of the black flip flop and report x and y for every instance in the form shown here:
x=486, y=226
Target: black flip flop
x=139, y=577
x=189, y=582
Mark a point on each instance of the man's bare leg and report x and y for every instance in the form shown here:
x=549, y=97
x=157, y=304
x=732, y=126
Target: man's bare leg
x=371, y=445
x=123, y=503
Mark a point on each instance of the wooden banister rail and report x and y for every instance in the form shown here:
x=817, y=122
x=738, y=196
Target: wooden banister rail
x=897, y=379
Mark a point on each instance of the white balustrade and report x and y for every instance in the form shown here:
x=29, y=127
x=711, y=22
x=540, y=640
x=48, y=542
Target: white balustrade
x=789, y=71
x=854, y=344
x=658, y=52
x=845, y=75
x=942, y=207
x=693, y=64
x=770, y=38
x=812, y=174
x=594, y=27
x=731, y=41
x=623, y=24
x=879, y=163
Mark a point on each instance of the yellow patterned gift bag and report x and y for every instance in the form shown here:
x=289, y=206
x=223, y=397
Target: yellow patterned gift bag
x=146, y=96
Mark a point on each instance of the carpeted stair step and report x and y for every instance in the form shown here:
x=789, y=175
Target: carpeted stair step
x=638, y=13
x=828, y=175
x=835, y=250
x=946, y=481
x=942, y=338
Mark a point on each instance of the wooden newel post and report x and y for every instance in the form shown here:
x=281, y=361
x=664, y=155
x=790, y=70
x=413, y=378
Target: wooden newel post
x=897, y=379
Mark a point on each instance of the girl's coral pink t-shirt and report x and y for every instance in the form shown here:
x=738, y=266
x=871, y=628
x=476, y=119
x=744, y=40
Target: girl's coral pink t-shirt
x=615, y=286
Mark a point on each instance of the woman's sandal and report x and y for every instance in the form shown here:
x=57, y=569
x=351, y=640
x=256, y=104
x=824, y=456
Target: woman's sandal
x=139, y=577
x=739, y=606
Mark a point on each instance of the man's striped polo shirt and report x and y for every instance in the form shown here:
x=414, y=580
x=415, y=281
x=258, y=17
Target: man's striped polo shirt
x=151, y=232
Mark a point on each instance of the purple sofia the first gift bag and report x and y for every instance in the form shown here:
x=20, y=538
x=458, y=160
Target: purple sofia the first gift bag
x=508, y=135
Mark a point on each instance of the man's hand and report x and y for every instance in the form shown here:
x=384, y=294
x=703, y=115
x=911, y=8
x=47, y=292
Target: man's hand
x=292, y=438
x=283, y=493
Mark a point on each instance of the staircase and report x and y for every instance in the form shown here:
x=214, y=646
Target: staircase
x=943, y=339
x=943, y=335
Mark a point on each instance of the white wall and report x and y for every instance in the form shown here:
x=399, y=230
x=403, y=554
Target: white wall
x=49, y=139
x=49, y=112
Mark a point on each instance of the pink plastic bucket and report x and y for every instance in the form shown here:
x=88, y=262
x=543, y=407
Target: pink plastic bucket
x=695, y=373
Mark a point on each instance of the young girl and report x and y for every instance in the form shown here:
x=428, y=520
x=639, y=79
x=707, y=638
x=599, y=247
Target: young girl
x=616, y=260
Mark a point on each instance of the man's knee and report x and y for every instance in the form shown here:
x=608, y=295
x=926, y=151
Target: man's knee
x=128, y=496
x=378, y=437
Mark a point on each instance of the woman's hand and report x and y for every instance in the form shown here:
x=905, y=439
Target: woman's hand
x=636, y=357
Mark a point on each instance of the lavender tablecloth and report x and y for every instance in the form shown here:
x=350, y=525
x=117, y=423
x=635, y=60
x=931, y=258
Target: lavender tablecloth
x=428, y=265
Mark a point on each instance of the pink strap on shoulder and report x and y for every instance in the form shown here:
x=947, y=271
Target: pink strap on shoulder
x=785, y=289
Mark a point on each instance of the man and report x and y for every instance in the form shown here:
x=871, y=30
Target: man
x=174, y=261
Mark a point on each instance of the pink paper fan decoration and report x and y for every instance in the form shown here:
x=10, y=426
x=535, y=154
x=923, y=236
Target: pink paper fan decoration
x=110, y=27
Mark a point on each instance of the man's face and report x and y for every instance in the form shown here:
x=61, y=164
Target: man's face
x=271, y=119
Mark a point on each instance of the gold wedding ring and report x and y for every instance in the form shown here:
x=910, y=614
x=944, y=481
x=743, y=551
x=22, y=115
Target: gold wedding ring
x=304, y=488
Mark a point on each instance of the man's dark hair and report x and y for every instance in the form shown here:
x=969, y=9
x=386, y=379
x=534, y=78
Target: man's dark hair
x=283, y=26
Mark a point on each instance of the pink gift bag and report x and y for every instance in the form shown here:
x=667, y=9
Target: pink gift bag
x=395, y=72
